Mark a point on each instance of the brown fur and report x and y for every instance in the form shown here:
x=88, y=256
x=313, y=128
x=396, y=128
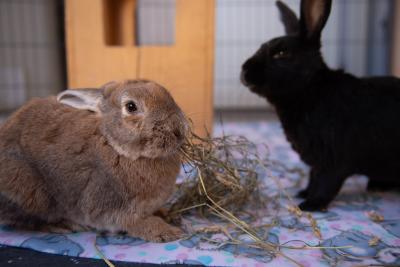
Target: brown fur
x=61, y=165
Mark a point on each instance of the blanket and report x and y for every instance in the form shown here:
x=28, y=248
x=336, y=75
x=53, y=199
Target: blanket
x=359, y=228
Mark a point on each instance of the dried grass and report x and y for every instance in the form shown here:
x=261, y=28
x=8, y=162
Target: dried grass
x=228, y=168
x=222, y=180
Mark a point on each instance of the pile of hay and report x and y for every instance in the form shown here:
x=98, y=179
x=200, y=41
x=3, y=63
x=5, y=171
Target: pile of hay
x=224, y=168
x=222, y=180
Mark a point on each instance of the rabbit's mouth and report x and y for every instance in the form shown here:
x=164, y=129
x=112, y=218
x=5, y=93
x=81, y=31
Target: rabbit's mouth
x=163, y=145
x=243, y=79
x=251, y=81
x=247, y=80
x=172, y=144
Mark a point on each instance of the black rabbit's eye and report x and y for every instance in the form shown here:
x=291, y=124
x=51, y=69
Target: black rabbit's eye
x=281, y=54
x=131, y=106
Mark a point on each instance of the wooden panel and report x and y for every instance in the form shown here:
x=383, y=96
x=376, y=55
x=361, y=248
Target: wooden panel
x=396, y=40
x=185, y=68
x=119, y=24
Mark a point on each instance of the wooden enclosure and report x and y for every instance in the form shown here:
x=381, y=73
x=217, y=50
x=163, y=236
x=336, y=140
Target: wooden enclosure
x=101, y=47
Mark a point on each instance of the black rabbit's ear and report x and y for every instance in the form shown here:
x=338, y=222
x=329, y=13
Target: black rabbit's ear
x=288, y=18
x=314, y=14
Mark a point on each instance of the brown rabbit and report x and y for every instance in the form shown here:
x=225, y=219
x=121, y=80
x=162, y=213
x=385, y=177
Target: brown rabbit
x=93, y=158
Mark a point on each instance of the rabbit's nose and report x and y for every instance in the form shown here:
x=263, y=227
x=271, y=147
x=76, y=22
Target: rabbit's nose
x=243, y=78
x=246, y=64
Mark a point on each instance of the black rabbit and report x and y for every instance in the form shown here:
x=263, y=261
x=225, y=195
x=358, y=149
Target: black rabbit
x=339, y=124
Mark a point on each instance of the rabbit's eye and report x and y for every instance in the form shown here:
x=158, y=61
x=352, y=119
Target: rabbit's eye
x=131, y=106
x=281, y=54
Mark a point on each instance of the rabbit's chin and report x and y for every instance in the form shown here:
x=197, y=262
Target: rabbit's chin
x=150, y=152
x=161, y=151
x=258, y=90
x=154, y=149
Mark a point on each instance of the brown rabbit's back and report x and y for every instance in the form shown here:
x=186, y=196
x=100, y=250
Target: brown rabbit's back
x=32, y=143
x=55, y=163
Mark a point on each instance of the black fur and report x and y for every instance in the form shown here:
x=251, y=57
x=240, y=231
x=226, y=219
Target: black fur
x=339, y=124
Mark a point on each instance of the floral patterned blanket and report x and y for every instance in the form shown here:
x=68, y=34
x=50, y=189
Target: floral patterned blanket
x=359, y=229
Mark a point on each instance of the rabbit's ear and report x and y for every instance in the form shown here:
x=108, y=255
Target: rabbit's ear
x=288, y=18
x=88, y=98
x=108, y=88
x=314, y=14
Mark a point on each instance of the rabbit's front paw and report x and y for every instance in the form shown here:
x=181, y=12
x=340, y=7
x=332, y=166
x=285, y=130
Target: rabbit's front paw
x=168, y=217
x=167, y=234
x=154, y=229
x=302, y=194
x=310, y=205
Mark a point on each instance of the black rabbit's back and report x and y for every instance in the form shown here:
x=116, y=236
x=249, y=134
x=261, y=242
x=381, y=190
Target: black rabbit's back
x=346, y=122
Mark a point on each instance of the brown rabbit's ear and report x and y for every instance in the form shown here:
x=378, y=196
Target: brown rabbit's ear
x=109, y=87
x=88, y=98
x=288, y=18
